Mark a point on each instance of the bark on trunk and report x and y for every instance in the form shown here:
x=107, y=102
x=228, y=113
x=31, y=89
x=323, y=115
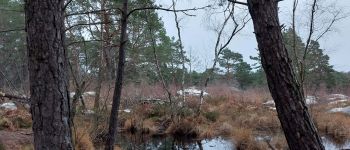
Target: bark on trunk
x=296, y=122
x=48, y=74
x=119, y=82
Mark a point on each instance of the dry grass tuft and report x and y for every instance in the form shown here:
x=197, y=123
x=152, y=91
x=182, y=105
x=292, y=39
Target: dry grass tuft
x=130, y=125
x=244, y=140
x=186, y=127
x=149, y=127
x=83, y=140
x=225, y=129
x=335, y=125
x=206, y=132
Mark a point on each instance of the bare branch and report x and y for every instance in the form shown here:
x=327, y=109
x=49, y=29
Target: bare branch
x=66, y=5
x=12, y=30
x=218, y=49
x=311, y=31
x=13, y=10
x=331, y=24
x=87, y=24
x=238, y=2
x=181, y=51
x=91, y=12
x=22, y=99
x=159, y=72
x=166, y=9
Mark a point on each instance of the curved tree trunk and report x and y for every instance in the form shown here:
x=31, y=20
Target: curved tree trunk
x=48, y=74
x=293, y=114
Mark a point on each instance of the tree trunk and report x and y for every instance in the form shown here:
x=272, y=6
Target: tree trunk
x=293, y=114
x=48, y=74
x=119, y=82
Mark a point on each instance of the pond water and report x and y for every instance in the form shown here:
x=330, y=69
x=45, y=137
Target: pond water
x=134, y=142
x=331, y=145
x=139, y=142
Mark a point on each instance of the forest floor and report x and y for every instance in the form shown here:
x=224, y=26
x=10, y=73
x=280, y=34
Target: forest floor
x=20, y=139
x=244, y=117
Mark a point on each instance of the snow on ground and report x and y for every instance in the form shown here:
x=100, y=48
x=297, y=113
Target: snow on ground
x=338, y=101
x=8, y=106
x=345, y=110
x=309, y=101
x=89, y=93
x=334, y=97
x=85, y=94
x=193, y=91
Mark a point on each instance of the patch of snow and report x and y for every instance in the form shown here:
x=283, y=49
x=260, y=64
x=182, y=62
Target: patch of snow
x=310, y=100
x=8, y=106
x=125, y=110
x=235, y=89
x=89, y=93
x=271, y=108
x=192, y=91
x=334, y=97
x=270, y=102
x=329, y=145
x=71, y=94
x=89, y=112
x=338, y=101
x=263, y=138
x=86, y=94
x=345, y=110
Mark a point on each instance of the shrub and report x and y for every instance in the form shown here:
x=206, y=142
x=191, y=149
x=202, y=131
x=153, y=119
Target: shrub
x=159, y=111
x=21, y=122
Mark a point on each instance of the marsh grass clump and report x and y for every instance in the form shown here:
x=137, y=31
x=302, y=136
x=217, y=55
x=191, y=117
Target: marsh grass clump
x=149, y=127
x=186, y=127
x=83, y=140
x=244, y=140
x=216, y=101
x=212, y=115
x=334, y=125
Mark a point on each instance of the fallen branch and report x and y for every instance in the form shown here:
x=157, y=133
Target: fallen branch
x=22, y=99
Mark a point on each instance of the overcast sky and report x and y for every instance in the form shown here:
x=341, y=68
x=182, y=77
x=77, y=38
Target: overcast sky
x=199, y=41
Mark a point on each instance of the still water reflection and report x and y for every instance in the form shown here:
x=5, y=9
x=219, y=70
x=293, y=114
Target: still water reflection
x=140, y=142
x=134, y=142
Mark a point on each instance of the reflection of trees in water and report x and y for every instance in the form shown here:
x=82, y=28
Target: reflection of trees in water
x=143, y=142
